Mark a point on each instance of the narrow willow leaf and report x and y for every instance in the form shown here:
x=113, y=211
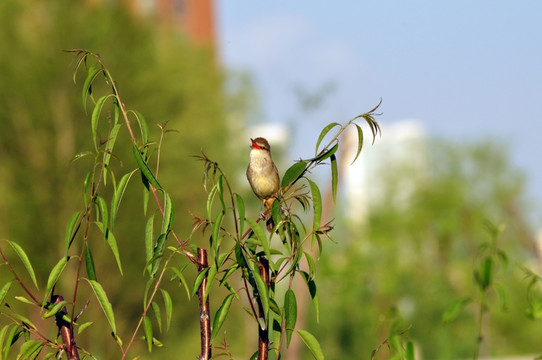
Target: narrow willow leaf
x=24, y=320
x=3, y=333
x=83, y=326
x=54, y=310
x=157, y=314
x=89, y=263
x=334, y=177
x=71, y=229
x=104, y=303
x=228, y=273
x=487, y=273
x=117, y=196
x=199, y=279
x=276, y=212
x=3, y=293
x=143, y=127
x=81, y=155
x=360, y=142
x=91, y=75
x=220, y=190
x=409, y=352
x=24, y=300
x=169, y=213
x=55, y=274
x=263, y=296
x=215, y=235
x=158, y=251
x=145, y=170
x=210, y=199
x=24, y=259
x=149, y=235
x=310, y=262
x=111, y=142
x=290, y=313
x=326, y=154
x=293, y=173
x=260, y=235
x=148, y=331
x=95, y=117
x=86, y=183
x=181, y=277
x=10, y=340
x=240, y=211
x=311, y=343
x=104, y=213
x=168, y=306
x=323, y=134
x=452, y=311
x=220, y=315
x=112, y=242
x=213, y=270
x=29, y=348
x=311, y=285
x=317, y=205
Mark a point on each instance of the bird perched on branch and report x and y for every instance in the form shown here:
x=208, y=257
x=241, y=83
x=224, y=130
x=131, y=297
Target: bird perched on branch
x=263, y=176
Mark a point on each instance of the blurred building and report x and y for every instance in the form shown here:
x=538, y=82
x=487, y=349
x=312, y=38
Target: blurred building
x=396, y=161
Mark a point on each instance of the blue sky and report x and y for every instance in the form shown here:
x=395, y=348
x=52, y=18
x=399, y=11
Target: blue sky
x=465, y=69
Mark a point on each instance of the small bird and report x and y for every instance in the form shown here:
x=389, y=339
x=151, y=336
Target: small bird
x=263, y=176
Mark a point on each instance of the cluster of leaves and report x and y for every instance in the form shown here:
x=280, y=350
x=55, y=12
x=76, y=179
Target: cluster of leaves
x=261, y=260
x=490, y=259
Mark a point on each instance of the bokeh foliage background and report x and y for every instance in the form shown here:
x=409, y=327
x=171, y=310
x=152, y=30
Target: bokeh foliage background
x=405, y=264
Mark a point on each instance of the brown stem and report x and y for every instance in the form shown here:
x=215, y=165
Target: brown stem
x=263, y=339
x=204, y=316
x=66, y=331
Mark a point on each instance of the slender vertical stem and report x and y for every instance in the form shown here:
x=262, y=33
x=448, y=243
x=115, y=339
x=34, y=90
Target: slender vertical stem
x=66, y=331
x=204, y=315
x=263, y=335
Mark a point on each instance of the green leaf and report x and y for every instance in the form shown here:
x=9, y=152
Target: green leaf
x=323, y=134
x=158, y=251
x=221, y=315
x=326, y=154
x=55, y=274
x=210, y=199
x=117, y=196
x=112, y=242
x=168, y=305
x=293, y=173
x=157, y=314
x=148, y=331
x=87, y=85
x=112, y=139
x=240, y=211
x=71, y=229
x=453, y=310
x=104, y=303
x=95, y=117
x=145, y=170
x=312, y=344
x=409, y=352
x=149, y=234
x=290, y=313
x=199, y=279
x=310, y=262
x=181, y=277
x=260, y=235
x=89, y=263
x=10, y=340
x=215, y=235
x=360, y=142
x=483, y=277
x=311, y=285
x=4, y=292
x=30, y=348
x=317, y=205
x=143, y=127
x=334, y=176
x=54, y=310
x=24, y=320
x=24, y=300
x=82, y=327
x=169, y=213
x=24, y=259
x=213, y=270
x=104, y=213
x=263, y=296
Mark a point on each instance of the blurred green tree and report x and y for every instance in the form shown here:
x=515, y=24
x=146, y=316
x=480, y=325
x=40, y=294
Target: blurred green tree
x=410, y=259
x=43, y=125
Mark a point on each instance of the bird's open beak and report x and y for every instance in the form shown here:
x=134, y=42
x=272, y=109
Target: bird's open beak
x=254, y=145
